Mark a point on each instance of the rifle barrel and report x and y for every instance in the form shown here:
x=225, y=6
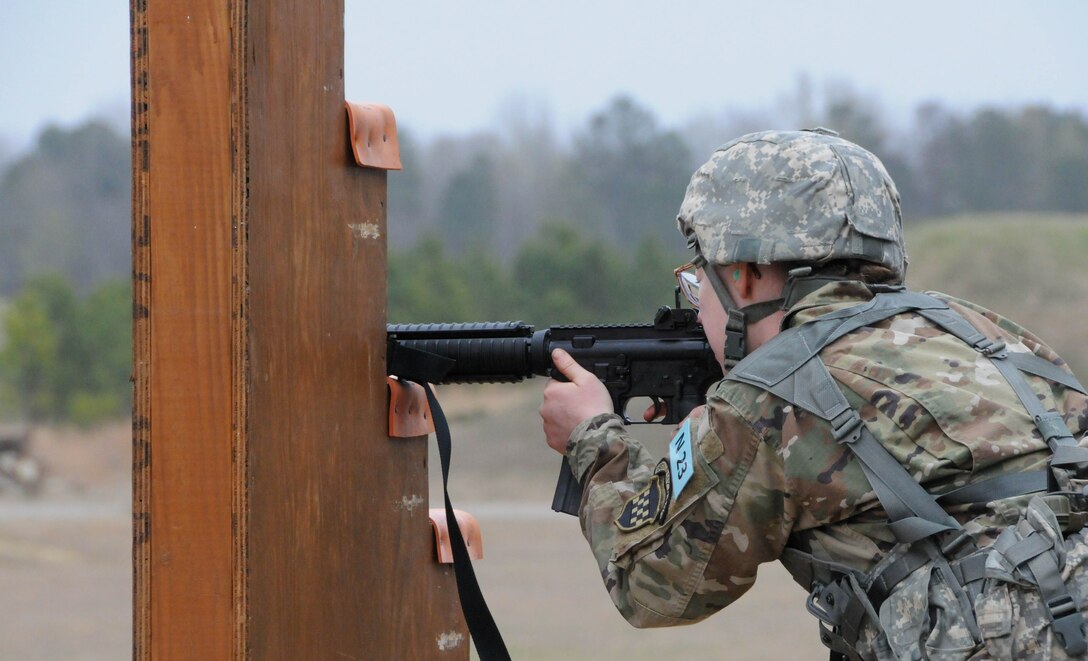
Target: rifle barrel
x=486, y=352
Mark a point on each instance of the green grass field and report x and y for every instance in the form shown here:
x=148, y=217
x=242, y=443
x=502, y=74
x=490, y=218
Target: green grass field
x=1032, y=268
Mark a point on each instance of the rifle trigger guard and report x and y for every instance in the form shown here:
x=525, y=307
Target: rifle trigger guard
x=619, y=405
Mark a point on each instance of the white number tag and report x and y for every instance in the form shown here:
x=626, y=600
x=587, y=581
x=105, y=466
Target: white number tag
x=681, y=461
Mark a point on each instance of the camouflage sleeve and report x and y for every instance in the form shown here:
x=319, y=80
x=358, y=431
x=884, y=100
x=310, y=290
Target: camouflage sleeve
x=669, y=559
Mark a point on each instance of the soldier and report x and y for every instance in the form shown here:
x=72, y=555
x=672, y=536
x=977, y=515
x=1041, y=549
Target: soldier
x=911, y=458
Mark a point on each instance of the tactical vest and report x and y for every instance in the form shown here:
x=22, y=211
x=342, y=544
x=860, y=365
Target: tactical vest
x=844, y=599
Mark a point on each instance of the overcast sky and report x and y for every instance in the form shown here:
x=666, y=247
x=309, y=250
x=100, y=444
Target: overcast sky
x=451, y=67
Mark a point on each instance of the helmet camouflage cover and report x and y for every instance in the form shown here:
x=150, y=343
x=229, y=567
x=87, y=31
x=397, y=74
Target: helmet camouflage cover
x=783, y=196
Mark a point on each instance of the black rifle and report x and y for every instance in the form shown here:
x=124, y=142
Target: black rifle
x=668, y=361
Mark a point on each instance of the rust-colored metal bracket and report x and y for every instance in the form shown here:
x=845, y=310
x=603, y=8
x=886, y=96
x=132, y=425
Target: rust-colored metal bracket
x=373, y=131
x=409, y=412
x=470, y=530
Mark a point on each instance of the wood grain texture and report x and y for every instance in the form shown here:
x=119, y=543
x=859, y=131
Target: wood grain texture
x=338, y=563
x=239, y=183
x=141, y=336
x=273, y=517
x=184, y=366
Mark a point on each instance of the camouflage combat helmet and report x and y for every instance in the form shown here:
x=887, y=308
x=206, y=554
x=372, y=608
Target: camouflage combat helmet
x=787, y=196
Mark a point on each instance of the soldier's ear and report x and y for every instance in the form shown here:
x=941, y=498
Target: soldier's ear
x=744, y=277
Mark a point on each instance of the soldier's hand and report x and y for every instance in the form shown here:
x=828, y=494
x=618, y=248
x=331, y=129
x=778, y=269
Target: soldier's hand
x=658, y=410
x=654, y=411
x=566, y=405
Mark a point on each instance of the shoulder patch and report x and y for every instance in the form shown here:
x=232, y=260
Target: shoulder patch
x=651, y=505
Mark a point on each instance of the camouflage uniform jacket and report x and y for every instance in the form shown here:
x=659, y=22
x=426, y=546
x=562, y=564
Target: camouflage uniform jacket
x=767, y=475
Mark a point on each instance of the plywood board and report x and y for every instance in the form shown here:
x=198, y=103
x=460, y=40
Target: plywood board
x=273, y=517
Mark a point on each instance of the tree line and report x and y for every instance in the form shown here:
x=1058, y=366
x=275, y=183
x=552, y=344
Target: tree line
x=622, y=174
x=515, y=222
x=65, y=356
x=562, y=275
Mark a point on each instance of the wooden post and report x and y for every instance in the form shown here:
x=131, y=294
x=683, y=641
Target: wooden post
x=273, y=517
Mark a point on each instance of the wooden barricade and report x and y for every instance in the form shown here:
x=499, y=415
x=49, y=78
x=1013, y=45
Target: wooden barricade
x=273, y=517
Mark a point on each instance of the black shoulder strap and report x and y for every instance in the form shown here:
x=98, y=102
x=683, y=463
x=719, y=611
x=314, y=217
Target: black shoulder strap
x=481, y=626
x=423, y=367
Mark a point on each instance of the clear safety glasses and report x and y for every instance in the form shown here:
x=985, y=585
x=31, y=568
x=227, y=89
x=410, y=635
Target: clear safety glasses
x=689, y=283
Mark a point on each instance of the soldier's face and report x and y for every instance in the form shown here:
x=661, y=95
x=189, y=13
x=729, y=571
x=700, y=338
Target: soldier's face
x=711, y=316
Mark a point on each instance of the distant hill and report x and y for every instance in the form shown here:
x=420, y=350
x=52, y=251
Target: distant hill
x=1032, y=268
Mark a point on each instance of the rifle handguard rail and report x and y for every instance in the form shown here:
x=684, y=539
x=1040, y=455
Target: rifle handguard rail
x=668, y=360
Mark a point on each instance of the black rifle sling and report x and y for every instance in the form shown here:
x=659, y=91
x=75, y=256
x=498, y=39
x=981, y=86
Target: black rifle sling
x=424, y=367
x=481, y=626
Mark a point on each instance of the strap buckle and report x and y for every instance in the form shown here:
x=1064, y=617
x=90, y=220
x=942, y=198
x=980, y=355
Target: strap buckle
x=1071, y=522
x=885, y=289
x=735, y=326
x=956, y=541
x=816, y=609
x=990, y=348
x=839, y=607
x=1068, y=624
x=1069, y=510
x=846, y=427
x=1052, y=426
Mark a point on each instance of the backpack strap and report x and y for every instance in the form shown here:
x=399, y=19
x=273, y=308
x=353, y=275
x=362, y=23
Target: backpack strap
x=789, y=366
x=788, y=351
x=1051, y=425
x=794, y=371
x=1034, y=554
x=1032, y=364
x=998, y=487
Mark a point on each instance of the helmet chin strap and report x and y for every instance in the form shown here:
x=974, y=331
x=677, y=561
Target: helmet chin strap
x=737, y=318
